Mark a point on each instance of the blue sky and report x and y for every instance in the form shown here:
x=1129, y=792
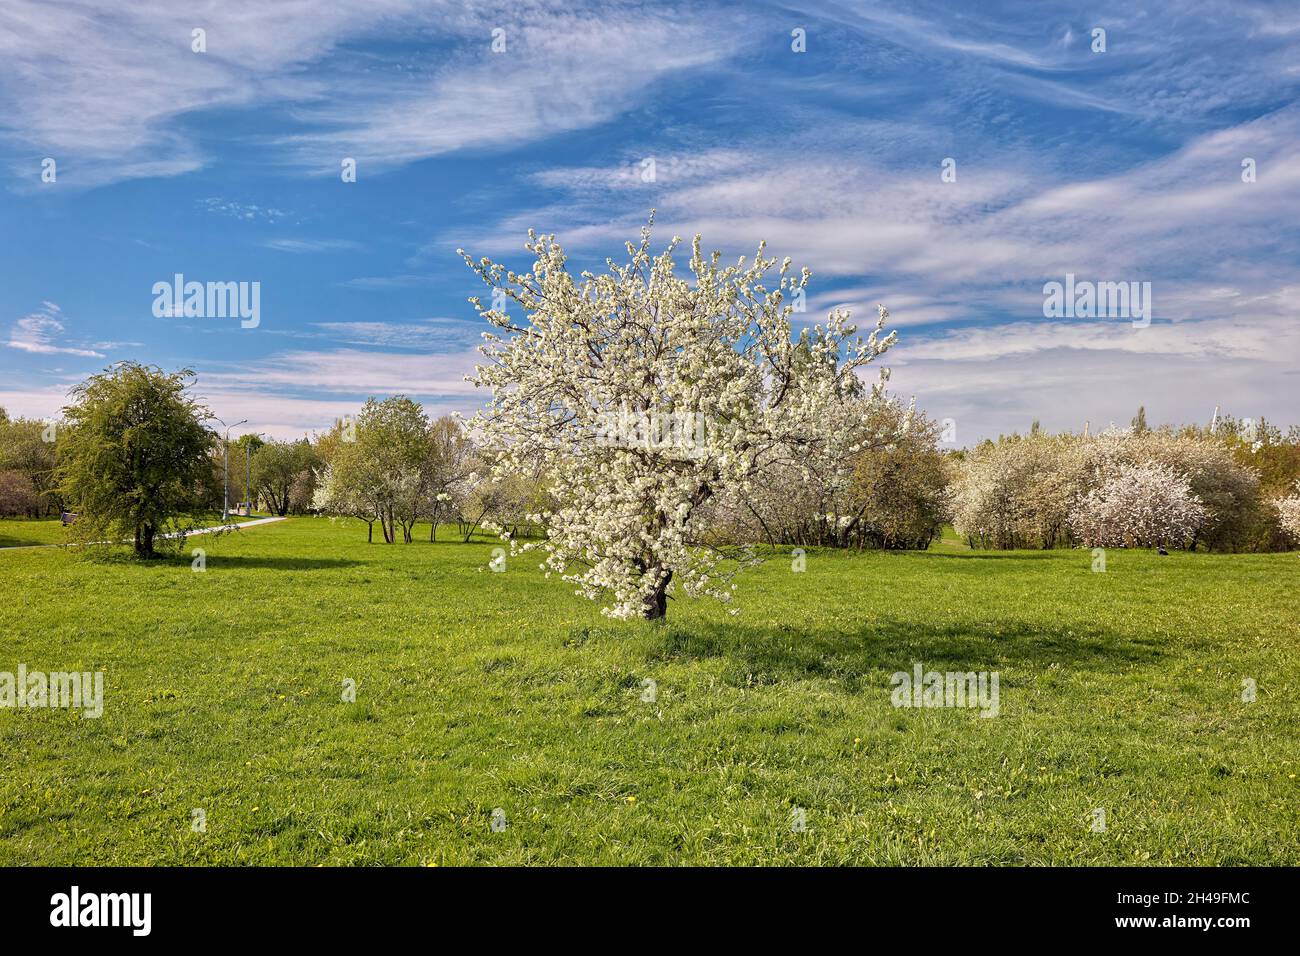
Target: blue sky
x=1123, y=165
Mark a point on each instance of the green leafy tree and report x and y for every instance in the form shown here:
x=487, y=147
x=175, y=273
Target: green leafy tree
x=392, y=436
x=379, y=473
x=243, y=450
x=135, y=459
x=1139, y=423
x=278, y=469
x=29, y=449
x=449, y=458
x=901, y=489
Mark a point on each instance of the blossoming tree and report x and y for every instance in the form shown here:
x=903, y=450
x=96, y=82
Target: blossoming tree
x=1288, y=511
x=641, y=394
x=1141, y=506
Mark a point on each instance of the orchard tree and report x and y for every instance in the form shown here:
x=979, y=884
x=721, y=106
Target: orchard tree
x=809, y=496
x=279, y=468
x=1288, y=513
x=640, y=395
x=499, y=502
x=901, y=491
x=990, y=498
x=134, y=458
x=1228, y=491
x=393, y=436
x=340, y=493
x=378, y=473
x=29, y=447
x=1141, y=506
x=448, y=461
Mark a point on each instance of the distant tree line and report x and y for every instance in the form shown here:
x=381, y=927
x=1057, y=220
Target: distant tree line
x=1232, y=487
x=135, y=455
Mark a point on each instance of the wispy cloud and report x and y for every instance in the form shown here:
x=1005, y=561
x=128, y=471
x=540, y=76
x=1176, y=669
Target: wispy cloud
x=350, y=371
x=381, y=283
x=41, y=331
x=301, y=246
x=962, y=265
x=247, y=212
x=1117, y=166
x=482, y=98
x=57, y=57
x=298, y=58
x=994, y=235
x=440, y=335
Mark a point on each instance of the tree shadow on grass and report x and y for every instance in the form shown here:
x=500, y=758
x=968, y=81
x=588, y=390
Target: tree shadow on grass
x=273, y=562
x=855, y=657
x=19, y=537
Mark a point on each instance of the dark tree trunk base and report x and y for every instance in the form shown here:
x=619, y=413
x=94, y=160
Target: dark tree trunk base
x=654, y=607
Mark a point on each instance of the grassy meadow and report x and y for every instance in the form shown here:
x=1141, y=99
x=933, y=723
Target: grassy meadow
x=477, y=690
x=33, y=532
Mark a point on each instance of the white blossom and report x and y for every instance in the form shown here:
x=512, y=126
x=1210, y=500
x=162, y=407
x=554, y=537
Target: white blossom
x=639, y=339
x=1288, y=512
x=1140, y=506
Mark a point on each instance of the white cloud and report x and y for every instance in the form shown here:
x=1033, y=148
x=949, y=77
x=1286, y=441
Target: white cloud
x=1065, y=387
x=350, y=371
x=248, y=212
x=381, y=283
x=430, y=335
x=293, y=393
x=41, y=403
x=310, y=245
x=290, y=395
x=57, y=57
x=844, y=216
x=40, y=332
x=1220, y=253
x=562, y=70
x=274, y=415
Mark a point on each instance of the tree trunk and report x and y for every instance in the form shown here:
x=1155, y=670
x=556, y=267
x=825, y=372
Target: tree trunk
x=654, y=606
x=144, y=541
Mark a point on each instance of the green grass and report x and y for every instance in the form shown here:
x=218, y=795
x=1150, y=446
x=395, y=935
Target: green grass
x=479, y=690
x=28, y=532
x=34, y=532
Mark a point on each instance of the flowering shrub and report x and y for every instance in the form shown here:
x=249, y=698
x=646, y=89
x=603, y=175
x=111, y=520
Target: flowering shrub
x=1288, y=512
x=639, y=343
x=1017, y=492
x=1140, y=506
x=885, y=489
x=1228, y=491
x=1020, y=491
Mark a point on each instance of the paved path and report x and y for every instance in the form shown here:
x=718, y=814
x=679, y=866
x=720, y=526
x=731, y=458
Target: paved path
x=174, y=534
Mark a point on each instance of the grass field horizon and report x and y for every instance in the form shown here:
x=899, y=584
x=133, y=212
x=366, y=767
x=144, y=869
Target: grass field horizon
x=1120, y=691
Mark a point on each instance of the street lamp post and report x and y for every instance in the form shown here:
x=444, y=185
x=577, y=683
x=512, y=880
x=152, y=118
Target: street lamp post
x=248, y=474
x=225, y=497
